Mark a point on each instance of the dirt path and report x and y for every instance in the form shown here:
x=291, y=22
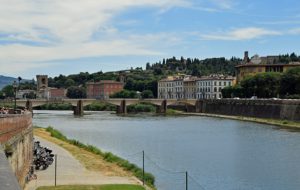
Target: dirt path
x=71, y=171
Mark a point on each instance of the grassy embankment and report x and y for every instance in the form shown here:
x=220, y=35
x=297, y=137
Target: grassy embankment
x=93, y=187
x=93, y=158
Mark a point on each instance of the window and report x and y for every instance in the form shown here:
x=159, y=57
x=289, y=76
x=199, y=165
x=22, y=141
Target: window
x=220, y=83
x=224, y=83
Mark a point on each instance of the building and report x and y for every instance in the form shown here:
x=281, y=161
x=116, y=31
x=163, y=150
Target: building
x=23, y=94
x=256, y=64
x=57, y=93
x=42, y=86
x=166, y=88
x=190, y=87
x=210, y=87
x=103, y=89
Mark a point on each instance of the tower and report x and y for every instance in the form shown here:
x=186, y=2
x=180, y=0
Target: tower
x=42, y=86
x=246, y=57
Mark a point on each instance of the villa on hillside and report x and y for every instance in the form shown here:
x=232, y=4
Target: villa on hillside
x=257, y=64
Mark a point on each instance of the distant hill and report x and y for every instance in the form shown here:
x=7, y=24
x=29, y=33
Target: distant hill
x=4, y=80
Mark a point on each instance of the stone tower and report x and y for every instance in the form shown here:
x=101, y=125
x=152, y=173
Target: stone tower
x=246, y=57
x=42, y=86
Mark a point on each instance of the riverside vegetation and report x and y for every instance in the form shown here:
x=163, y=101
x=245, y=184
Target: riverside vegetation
x=106, y=156
x=93, y=187
x=99, y=106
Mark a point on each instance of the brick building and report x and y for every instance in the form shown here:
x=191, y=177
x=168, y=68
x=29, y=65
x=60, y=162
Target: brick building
x=103, y=89
x=57, y=93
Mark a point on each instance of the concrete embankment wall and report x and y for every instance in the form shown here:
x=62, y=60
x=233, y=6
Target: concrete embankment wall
x=16, y=138
x=275, y=109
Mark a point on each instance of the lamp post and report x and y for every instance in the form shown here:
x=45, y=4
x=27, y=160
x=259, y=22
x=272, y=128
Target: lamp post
x=15, y=91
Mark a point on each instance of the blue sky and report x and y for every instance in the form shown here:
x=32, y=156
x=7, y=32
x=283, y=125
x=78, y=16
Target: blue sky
x=70, y=36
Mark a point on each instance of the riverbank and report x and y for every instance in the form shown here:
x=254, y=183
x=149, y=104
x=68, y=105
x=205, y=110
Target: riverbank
x=93, y=159
x=285, y=124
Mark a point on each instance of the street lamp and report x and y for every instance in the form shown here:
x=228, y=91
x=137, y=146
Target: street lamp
x=15, y=90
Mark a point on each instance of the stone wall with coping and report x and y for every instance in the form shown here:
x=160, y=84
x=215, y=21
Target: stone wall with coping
x=273, y=109
x=16, y=138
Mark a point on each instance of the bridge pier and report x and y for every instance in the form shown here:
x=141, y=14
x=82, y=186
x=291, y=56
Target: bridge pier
x=122, y=109
x=162, y=108
x=198, y=106
x=78, y=110
x=28, y=105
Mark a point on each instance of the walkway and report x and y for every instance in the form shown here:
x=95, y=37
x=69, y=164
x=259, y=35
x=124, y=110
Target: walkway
x=8, y=180
x=71, y=171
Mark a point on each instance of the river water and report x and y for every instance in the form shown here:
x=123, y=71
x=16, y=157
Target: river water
x=218, y=154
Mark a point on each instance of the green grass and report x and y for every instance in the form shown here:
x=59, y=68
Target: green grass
x=108, y=156
x=93, y=187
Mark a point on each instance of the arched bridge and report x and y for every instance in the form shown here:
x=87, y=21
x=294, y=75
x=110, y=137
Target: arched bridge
x=78, y=104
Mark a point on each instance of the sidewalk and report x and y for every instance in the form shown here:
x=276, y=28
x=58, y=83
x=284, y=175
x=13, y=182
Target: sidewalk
x=71, y=172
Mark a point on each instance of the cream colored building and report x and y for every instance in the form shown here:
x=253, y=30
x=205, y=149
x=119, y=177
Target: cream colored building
x=190, y=87
x=210, y=87
x=257, y=64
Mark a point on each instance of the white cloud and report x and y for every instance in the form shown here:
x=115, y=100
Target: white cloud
x=64, y=29
x=295, y=31
x=241, y=34
x=224, y=4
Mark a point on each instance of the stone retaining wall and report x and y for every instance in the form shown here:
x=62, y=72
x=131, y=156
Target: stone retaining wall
x=16, y=138
x=275, y=109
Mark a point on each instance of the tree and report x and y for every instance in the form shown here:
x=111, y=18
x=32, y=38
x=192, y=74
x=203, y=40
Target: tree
x=290, y=82
x=125, y=94
x=147, y=94
x=8, y=91
x=148, y=67
x=69, y=82
x=76, y=92
x=263, y=85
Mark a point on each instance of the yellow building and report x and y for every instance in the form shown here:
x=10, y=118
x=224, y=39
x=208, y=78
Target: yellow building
x=256, y=64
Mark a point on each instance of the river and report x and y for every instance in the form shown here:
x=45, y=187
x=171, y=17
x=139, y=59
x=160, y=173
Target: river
x=218, y=154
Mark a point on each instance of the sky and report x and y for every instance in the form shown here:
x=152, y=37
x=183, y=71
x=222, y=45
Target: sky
x=55, y=37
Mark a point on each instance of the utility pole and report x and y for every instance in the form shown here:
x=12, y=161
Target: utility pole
x=186, y=180
x=143, y=168
x=55, y=169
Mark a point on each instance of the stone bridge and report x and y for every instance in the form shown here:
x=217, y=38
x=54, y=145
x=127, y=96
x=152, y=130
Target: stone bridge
x=78, y=104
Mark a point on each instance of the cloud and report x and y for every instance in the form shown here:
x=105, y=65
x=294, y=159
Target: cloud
x=34, y=32
x=295, y=31
x=241, y=34
x=224, y=4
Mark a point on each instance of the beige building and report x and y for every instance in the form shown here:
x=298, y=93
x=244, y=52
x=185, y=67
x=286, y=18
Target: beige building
x=257, y=64
x=190, y=87
x=210, y=87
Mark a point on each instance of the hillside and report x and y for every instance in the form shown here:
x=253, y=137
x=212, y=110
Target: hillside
x=4, y=80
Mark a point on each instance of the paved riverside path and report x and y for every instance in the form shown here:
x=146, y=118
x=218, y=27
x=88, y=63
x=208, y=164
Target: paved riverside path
x=8, y=180
x=71, y=172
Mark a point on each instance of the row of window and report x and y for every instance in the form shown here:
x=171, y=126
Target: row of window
x=215, y=83
x=207, y=83
x=198, y=96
